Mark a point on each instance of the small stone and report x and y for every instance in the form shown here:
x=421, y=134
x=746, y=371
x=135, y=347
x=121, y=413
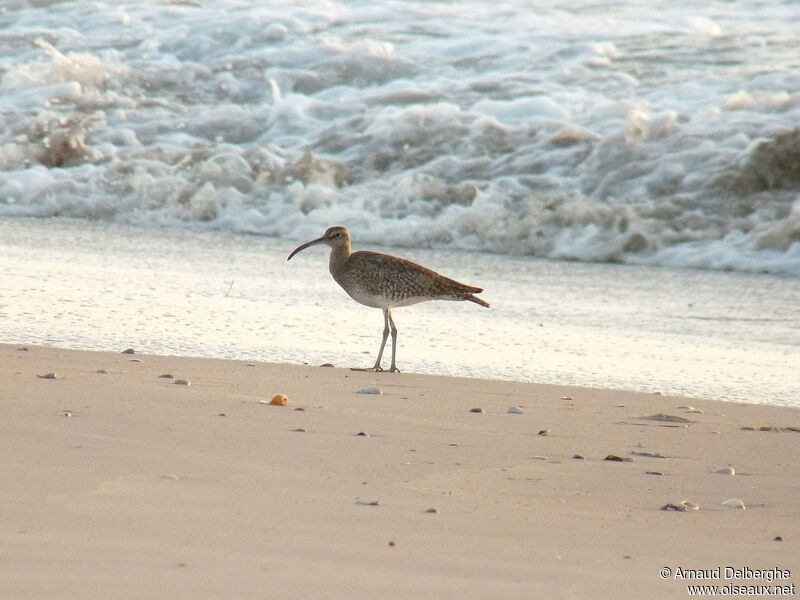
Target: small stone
x=67, y=413
x=777, y=538
x=433, y=511
x=328, y=365
x=102, y=371
x=128, y=351
x=279, y=400
x=476, y=410
x=22, y=349
x=368, y=502
x=543, y=432
x=371, y=390
x=299, y=430
x=514, y=410
x=391, y=543
x=48, y=376
x=577, y=456
x=250, y=365
x=300, y=409
x=362, y=434
x=166, y=376
x=185, y=382
x=726, y=471
x=648, y=454
x=615, y=458
x=221, y=415
x=667, y=418
x=653, y=472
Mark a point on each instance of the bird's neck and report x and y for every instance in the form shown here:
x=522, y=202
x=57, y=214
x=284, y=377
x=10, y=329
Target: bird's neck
x=338, y=259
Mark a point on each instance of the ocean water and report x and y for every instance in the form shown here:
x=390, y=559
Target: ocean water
x=637, y=131
x=98, y=285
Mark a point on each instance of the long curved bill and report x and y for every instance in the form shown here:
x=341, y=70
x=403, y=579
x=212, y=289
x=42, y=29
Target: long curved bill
x=319, y=240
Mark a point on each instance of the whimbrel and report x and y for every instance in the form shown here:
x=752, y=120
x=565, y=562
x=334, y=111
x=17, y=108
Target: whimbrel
x=385, y=282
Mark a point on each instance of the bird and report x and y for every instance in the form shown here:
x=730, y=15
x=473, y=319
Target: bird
x=384, y=281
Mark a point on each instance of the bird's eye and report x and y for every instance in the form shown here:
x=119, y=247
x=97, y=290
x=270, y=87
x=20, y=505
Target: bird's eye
x=338, y=234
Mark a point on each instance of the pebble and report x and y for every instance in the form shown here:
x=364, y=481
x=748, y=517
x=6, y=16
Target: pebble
x=667, y=418
x=777, y=538
x=185, y=382
x=433, y=511
x=734, y=503
x=128, y=351
x=22, y=349
x=648, y=454
x=362, y=434
x=514, y=410
x=48, y=376
x=577, y=456
x=221, y=415
x=102, y=371
x=279, y=400
x=66, y=413
x=476, y=410
x=250, y=365
x=543, y=432
x=653, y=472
x=726, y=471
x=371, y=390
x=135, y=360
x=300, y=409
x=615, y=458
x=166, y=376
x=299, y=430
x=327, y=365
x=368, y=502
x=684, y=506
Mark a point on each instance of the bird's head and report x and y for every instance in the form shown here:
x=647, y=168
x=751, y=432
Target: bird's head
x=335, y=237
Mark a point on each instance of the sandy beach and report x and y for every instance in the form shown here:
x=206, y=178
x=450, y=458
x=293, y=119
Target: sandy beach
x=119, y=483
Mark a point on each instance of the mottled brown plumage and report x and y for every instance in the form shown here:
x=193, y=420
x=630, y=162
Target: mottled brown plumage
x=384, y=281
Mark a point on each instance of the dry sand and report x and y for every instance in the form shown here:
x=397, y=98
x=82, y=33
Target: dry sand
x=126, y=485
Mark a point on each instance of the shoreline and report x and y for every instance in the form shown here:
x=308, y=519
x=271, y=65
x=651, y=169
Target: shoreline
x=126, y=484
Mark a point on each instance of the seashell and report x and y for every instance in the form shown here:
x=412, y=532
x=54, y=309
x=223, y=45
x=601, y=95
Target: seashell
x=543, y=432
x=566, y=397
x=689, y=505
x=128, y=351
x=371, y=390
x=185, y=382
x=66, y=413
x=734, y=503
x=476, y=410
x=48, y=376
x=514, y=410
x=726, y=471
x=279, y=400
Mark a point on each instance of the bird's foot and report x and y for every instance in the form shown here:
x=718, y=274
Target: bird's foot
x=393, y=369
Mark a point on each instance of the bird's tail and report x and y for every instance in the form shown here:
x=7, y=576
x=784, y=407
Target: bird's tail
x=476, y=300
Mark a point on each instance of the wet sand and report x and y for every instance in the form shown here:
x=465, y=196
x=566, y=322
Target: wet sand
x=124, y=484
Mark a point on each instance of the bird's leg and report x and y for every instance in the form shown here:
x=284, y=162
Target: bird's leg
x=386, y=320
x=393, y=368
